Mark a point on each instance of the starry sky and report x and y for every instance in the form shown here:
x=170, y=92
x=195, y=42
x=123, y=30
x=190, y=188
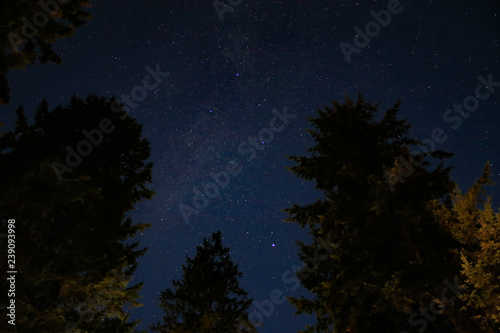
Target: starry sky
x=227, y=78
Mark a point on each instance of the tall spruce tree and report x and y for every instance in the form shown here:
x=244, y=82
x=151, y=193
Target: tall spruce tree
x=208, y=298
x=69, y=180
x=27, y=30
x=391, y=253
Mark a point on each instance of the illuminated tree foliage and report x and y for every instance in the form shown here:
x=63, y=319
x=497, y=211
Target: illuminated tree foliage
x=478, y=231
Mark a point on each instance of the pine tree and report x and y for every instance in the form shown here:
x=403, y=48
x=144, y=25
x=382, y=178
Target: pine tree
x=28, y=29
x=208, y=298
x=74, y=257
x=379, y=254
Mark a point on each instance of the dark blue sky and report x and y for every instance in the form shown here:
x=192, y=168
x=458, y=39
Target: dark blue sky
x=226, y=78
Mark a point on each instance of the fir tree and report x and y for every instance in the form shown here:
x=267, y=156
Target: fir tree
x=74, y=256
x=477, y=229
x=389, y=253
x=208, y=298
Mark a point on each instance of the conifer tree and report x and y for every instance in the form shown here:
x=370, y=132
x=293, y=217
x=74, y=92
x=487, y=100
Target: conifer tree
x=391, y=254
x=74, y=256
x=477, y=229
x=209, y=297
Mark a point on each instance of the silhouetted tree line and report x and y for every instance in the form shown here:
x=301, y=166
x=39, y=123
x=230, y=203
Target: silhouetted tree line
x=411, y=255
x=409, y=251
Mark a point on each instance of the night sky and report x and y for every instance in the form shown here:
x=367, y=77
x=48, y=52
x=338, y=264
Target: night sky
x=226, y=81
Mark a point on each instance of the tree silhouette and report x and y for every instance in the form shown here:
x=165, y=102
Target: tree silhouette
x=74, y=251
x=208, y=298
x=27, y=30
x=379, y=252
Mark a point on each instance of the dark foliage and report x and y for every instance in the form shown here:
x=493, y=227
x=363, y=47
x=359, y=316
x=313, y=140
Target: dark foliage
x=74, y=250
x=208, y=298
